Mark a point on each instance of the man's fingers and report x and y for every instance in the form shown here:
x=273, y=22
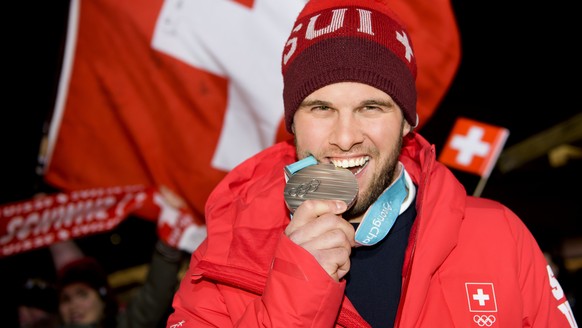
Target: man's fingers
x=336, y=238
x=335, y=261
x=311, y=209
x=322, y=227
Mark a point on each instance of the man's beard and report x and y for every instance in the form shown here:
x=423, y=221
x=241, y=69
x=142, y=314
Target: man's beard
x=380, y=181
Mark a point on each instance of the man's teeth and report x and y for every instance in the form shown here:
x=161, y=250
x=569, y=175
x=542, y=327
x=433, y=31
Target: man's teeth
x=352, y=162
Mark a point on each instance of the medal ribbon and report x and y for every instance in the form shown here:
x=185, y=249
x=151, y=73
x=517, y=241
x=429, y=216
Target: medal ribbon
x=380, y=217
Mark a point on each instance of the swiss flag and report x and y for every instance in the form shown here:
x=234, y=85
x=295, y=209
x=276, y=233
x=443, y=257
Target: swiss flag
x=176, y=93
x=481, y=297
x=473, y=146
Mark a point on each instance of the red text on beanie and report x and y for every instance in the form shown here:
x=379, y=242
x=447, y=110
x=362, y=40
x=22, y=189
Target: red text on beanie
x=348, y=41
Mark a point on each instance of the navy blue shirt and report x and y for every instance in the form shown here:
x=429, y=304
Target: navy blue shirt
x=375, y=278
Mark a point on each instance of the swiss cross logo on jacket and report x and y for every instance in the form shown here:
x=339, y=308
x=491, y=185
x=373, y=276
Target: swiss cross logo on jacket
x=481, y=297
x=482, y=302
x=473, y=146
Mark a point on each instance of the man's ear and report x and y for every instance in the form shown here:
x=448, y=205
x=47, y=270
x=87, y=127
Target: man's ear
x=406, y=128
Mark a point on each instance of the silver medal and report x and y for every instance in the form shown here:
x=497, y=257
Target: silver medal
x=321, y=181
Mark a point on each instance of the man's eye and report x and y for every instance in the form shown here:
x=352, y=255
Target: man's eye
x=320, y=108
x=373, y=108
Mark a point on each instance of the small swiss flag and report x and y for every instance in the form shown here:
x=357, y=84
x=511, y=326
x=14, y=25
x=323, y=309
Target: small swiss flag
x=473, y=146
x=481, y=297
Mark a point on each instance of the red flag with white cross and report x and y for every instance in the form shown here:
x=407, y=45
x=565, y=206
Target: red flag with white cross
x=473, y=146
x=481, y=297
x=163, y=93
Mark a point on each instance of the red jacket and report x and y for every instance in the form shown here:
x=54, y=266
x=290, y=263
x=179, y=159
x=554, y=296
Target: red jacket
x=470, y=262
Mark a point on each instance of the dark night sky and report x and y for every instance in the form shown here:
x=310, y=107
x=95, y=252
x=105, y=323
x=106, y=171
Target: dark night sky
x=519, y=70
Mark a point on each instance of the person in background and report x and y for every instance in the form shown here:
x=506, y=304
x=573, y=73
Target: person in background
x=412, y=250
x=85, y=296
x=37, y=304
x=38, y=299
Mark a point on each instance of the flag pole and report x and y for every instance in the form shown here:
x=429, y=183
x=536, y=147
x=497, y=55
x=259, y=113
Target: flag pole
x=480, y=186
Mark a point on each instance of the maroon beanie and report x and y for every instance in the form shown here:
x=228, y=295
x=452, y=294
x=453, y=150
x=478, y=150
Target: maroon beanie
x=86, y=270
x=348, y=41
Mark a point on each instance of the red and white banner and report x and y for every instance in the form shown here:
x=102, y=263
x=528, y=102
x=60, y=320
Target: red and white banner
x=49, y=219
x=473, y=146
x=177, y=93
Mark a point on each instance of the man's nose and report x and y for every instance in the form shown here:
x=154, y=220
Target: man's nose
x=346, y=132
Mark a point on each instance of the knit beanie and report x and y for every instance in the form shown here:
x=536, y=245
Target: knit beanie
x=88, y=271
x=348, y=41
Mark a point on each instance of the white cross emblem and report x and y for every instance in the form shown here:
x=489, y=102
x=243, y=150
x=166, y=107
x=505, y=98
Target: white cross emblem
x=470, y=145
x=191, y=32
x=404, y=40
x=481, y=297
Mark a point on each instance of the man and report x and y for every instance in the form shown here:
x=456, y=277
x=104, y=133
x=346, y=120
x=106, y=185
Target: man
x=412, y=250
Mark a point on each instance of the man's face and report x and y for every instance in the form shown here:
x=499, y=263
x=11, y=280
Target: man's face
x=354, y=126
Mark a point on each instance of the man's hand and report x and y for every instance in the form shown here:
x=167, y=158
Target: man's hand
x=318, y=226
x=176, y=226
